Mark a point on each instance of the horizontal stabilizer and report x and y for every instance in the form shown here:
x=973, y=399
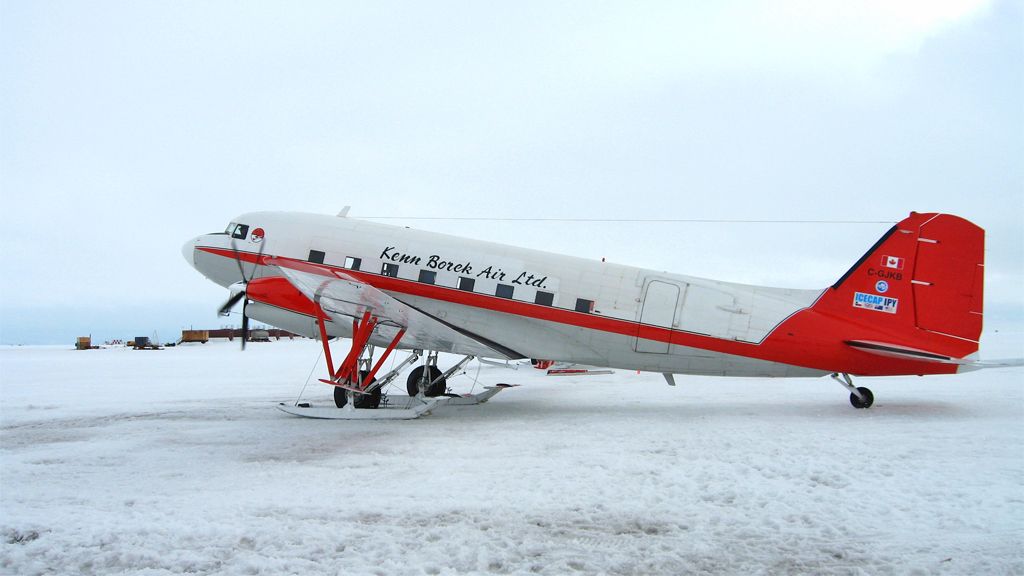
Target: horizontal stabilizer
x=894, y=351
x=1001, y=363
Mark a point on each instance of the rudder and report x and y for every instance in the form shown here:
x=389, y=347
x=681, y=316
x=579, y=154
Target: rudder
x=949, y=276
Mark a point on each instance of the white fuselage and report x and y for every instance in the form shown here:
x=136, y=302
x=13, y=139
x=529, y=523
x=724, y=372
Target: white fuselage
x=535, y=304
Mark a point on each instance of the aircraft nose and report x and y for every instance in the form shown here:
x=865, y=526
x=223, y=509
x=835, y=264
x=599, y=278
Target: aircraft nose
x=188, y=250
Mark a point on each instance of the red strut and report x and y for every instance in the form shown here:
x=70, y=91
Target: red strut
x=348, y=371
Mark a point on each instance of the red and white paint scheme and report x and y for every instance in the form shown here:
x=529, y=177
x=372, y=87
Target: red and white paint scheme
x=911, y=305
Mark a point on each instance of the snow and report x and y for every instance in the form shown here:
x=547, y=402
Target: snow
x=161, y=462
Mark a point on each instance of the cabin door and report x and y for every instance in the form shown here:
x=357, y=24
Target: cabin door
x=657, y=315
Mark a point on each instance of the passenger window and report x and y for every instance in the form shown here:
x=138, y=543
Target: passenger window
x=544, y=298
x=466, y=283
x=389, y=269
x=316, y=256
x=241, y=231
x=503, y=291
x=584, y=305
x=353, y=263
x=427, y=276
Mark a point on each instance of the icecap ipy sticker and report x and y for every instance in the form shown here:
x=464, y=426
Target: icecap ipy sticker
x=875, y=302
x=881, y=286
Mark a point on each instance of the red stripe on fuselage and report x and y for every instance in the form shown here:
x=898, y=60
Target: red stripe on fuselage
x=805, y=339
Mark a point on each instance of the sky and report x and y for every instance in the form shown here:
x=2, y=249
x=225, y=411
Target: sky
x=128, y=128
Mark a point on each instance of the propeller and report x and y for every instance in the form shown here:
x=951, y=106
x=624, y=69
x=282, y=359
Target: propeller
x=245, y=325
x=226, y=307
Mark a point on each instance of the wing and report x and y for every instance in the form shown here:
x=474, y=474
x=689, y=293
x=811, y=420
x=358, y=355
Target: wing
x=343, y=297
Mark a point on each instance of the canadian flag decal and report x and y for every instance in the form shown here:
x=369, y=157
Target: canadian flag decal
x=893, y=262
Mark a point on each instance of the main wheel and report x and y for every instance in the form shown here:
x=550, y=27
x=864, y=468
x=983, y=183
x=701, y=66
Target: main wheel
x=412, y=383
x=868, y=400
x=371, y=400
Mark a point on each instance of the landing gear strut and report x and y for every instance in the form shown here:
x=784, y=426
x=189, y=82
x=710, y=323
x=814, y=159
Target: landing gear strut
x=354, y=380
x=428, y=380
x=859, y=397
x=357, y=388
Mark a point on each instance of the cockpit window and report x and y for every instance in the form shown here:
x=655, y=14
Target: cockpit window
x=239, y=231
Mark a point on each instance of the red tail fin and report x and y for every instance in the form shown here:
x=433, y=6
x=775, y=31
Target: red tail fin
x=921, y=283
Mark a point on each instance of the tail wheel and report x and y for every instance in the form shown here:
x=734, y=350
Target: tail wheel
x=868, y=400
x=412, y=384
x=371, y=400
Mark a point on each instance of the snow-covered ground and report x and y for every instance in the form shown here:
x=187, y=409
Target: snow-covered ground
x=175, y=461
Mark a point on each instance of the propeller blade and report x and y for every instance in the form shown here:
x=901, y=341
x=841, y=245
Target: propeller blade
x=245, y=326
x=227, y=306
x=259, y=260
x=241, y=294
x=238, y=260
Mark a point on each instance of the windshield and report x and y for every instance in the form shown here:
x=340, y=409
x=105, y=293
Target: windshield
x=238, y=230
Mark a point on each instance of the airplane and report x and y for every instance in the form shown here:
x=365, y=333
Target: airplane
x=911, y=305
